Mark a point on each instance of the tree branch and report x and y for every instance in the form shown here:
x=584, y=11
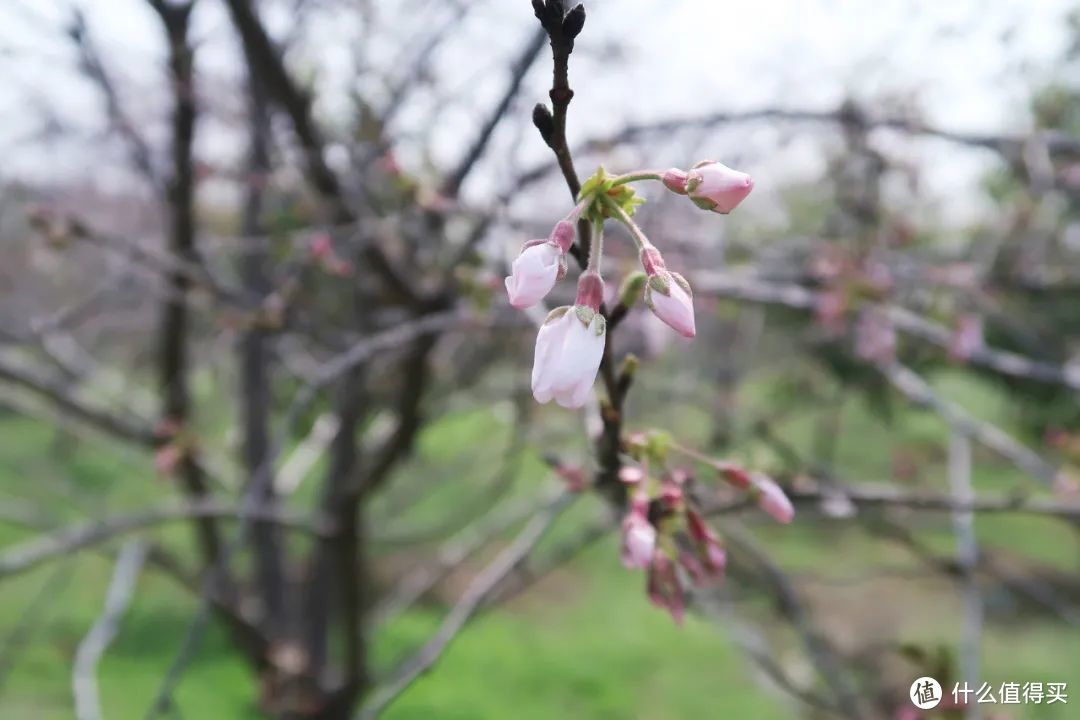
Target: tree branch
x=471, y=600
x=121, y=590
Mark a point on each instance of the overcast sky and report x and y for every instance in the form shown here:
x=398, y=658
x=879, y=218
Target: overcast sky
x=968, y=63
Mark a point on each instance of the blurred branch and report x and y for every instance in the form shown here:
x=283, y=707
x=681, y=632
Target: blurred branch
x=64, y=398
x=93, y=67
x=31, y=618
x=84, y=668
x=60, y=543
x=746, y=286
x=174, y=332
x=820, y=649
x=877, y=495
x=452, y=555
x=967, y=555
x=265, y=58
x=916, y=389
x=471, y=600
x=848, y=114
x=518, y=70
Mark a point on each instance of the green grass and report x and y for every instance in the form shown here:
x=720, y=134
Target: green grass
x=584, y=642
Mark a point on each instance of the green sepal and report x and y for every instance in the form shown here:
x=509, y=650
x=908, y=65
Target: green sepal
x=601, y=325
x=600, y=190
x=585, y=314
x=661, y=283
x=703, y=203
x=556, y=314
x=631, y=288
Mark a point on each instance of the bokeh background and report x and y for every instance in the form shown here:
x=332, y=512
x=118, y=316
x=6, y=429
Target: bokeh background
x=898, y=298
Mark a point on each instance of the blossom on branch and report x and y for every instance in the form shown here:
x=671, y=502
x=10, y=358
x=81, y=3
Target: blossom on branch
x=569, y=347
x=540, y=265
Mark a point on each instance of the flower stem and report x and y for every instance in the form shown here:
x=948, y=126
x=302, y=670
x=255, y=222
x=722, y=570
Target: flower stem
x=622, y=216
x=596, y=252
x=636, y=176
x=574, y=214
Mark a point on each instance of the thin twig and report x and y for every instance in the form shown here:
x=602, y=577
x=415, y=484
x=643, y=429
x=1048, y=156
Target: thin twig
x=471, y=600
x=121, y=590
x=64, y=541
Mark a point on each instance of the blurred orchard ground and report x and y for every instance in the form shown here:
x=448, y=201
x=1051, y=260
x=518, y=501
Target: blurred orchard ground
x=267, y=446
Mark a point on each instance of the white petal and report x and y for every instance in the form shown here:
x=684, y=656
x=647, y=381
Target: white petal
x=579, y=360
x=533, y=274
x=549, y=343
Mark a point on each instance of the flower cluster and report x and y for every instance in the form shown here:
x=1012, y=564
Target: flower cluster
x=570, y=343
x=665, y=532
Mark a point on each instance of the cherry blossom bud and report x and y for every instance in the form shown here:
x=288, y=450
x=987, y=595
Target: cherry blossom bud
x=638, y=540
x=668, y=295
x=167, y=459
x=694, y=568
x=875, y=337
x=714, y=186
x=715, y=556
x=631, y=474
x=671, y=493
x=967, y=338
x=664, y=588
x=734, y=474
x=573, y=476
x=533, y=273
x=772, y=499
x=539, y=266
x=675, y=181
x=829, y=311
x=569, y=347
x=707, y=543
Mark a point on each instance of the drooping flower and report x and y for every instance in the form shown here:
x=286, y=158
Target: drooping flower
x=638, y=536
x=539, y=266
x=569, y=348
x=668, y=294
x=676, y=306
x=714, y=186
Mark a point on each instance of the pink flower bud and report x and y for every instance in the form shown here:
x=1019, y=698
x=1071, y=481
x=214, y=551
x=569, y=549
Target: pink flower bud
x=714, y=186
x=638, y=541
x=569, y=347
x=671, y=493
x=573, y=476
x=631, y=474
x=590, y=291
x=734, y=474
x=694, y=568
x=167, y=459
x=967, y=338
x=715, y=556
x=668, y=295
x=875, y=337
x=320, y=246
x=664, y=588
x=829, y=311
x=533, y=273
x=675, y=181
x=772, y=499
x=562, y=235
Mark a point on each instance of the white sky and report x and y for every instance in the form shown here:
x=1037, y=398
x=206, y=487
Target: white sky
x=967, y=63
